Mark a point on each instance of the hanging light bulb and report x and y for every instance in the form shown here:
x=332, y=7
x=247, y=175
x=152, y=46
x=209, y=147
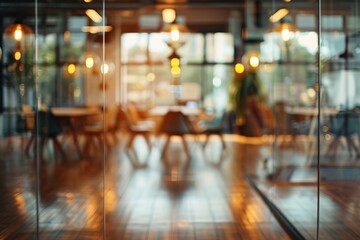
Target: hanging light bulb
x=286, y=30
x=70, y=70
x=175, y=35
x=89, y=60
x=17, y=55
x=90, y=63
x=251, y=60
x=18, y=35
x=168, y=15
x=239, y=68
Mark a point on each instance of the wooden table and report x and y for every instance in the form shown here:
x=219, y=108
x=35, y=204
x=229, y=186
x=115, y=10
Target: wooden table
x=162, y=110
x=310, y=111
x=69, y=115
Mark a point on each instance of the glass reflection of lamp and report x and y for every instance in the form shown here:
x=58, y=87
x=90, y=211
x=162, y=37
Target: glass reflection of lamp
x=251, y=60
x=287, y=32
x=18, y=38
x=286, y=29
x=89, y=61
x=106, y=70
x=18, y=35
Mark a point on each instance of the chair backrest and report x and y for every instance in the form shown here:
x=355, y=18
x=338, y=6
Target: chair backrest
x=48, y=124
x=132, y=113
x=176, y=123
x=93, y=119
x=122, y=118
x=111, y=117
x=29, y=116
x=345, y=124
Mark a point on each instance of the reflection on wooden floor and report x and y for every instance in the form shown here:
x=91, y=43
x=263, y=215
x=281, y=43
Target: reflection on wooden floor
x=208, y=199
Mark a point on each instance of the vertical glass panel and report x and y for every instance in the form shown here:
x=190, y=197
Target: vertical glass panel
x=18, y=185
x=70, y=161
x=339, y=120
x=284, y=106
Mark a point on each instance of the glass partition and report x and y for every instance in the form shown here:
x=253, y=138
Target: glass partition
x=286, y=115
x=70, y=69
x=81, y=152
x=339, y=119
x=46, y=192
x=19, y=182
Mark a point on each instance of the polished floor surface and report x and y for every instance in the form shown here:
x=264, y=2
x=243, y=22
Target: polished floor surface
x=134, y=196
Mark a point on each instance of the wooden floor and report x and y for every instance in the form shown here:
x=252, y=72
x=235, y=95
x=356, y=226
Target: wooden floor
x=208, y=198
x=142, y=196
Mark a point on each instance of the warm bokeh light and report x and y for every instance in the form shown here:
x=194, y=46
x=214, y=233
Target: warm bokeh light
x=96, y=29
x=278, y=15
x=254, y=61
x=175, y=71
x=17, y=36
x=17, y=55
x=89, y=62
x=168, y=15
x=174, y=35
x=285, y=34
x=104, y=68
x=175, y=62
x=150, y=77
x=18, y=33
x=93, y=15
x=239, y=68
x=71, y=68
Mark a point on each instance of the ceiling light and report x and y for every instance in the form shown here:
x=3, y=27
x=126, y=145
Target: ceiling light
x=96, y=29
x=278, y=15
x=93, y=15
x=16, y=35
x=175, y=35
x=168, y=15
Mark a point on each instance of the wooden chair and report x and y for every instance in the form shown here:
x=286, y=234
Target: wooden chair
x=344, y=125
x=29, y=116
x=175, y=123
x=213, y=127
x=98, y=130
x=125, y=122
x=134, y=118
x=47, y=127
